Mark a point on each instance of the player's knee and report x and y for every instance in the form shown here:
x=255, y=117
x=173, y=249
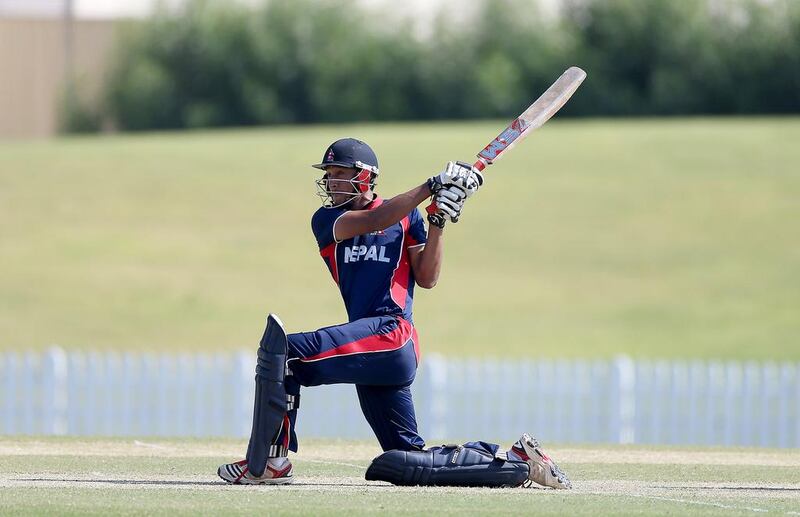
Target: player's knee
x=294, y=345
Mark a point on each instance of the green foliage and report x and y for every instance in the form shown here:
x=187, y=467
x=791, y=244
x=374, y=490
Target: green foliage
x=216, y=63
x=687, y=57
x=76, y=113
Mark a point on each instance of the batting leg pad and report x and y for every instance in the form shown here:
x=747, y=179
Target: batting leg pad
x=270, y=399
x=449, y=465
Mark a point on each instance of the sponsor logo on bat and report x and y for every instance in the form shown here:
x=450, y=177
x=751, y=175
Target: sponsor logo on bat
x=504, y=139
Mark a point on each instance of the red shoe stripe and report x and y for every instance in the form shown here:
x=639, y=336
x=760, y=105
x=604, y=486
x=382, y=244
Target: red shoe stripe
x=521, y=453
x=280, y=473
x=244, y=471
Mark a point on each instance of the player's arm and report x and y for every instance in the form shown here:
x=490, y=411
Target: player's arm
x=426, y=260
x=392, y=211
x=458, y=175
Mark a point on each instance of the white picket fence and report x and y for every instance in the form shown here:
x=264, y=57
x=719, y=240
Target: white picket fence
x=574, y=401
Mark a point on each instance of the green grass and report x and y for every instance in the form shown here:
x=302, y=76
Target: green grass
x=101, y=477
x=655, y=238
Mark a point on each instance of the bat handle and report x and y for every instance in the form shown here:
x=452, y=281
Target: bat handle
x=431, y=208
x=480, y=164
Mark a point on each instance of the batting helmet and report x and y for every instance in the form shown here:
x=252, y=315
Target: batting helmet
x=353, y=154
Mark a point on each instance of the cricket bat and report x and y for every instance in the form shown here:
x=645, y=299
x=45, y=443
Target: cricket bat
x=532, y=118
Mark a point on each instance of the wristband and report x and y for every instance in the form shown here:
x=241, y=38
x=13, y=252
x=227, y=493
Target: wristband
x=435, y=218
x=434, y=186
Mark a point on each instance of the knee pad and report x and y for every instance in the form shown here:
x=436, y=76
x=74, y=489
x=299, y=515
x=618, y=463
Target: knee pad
x=270, y=397
x=449, y=465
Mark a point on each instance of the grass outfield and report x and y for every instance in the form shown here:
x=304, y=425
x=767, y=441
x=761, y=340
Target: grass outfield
x=69, y=476
x=656, y=238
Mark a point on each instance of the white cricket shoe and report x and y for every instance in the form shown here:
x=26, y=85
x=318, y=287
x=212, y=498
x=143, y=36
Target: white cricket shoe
x=278, y=472
x=544, y=471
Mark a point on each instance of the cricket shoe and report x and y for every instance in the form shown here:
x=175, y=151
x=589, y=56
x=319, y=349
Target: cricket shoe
x=278, y=472
x=544, y=471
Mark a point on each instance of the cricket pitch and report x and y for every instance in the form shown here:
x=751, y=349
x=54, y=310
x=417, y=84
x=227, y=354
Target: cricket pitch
x=131, y=477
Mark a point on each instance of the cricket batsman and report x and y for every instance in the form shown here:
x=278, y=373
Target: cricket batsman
x=377, y=250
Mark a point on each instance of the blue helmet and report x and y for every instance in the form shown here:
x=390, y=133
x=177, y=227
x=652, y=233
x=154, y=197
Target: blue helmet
x=351, y=153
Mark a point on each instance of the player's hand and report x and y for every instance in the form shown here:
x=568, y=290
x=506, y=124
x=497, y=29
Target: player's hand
x=448, y=204
x=459, y=174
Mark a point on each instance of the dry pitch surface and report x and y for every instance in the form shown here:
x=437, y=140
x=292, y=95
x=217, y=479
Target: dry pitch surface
x=101, y=476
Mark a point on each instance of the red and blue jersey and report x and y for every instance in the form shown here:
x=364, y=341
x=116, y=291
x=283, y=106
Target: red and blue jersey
x=372, y=271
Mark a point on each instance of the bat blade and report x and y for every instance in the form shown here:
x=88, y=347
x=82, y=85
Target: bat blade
x=547, y=105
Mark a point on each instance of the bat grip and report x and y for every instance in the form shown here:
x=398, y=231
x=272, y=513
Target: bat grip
x=480, y=164
x=432, y=208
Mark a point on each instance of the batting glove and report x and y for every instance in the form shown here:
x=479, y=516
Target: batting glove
x=459, y=174
x=448, y=204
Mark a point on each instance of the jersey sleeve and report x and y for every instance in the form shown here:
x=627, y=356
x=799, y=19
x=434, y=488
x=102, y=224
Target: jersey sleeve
x=416, y=229
x=322, y=225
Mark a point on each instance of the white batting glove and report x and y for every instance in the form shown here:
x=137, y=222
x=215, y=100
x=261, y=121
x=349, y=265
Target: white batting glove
x=450, y=202
x=459, y=174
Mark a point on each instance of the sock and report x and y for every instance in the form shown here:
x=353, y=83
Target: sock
x=278, y=463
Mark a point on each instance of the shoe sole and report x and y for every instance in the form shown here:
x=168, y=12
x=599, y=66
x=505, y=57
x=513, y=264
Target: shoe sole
x=245, y=481
x=273, y=481
x=534, y=446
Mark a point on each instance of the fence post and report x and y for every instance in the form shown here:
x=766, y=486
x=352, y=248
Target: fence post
x=127, y=393
x=625, y=373
x=31, y=375
x=244, y=372
x=183, y=365
x=436, y=367
x=797, y=405
x=218, y=368
x=163, y=385
x=732, y=410
x=54, y=392
x=110, y=402
x=201, y=374
x=783, y=404
x=767, y=377
x=749, y=418
x=11, y=364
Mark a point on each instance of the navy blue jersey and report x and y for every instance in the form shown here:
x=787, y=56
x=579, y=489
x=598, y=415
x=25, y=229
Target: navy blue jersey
x=372, y=271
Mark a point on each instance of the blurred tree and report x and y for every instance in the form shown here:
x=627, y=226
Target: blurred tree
x=214, y=63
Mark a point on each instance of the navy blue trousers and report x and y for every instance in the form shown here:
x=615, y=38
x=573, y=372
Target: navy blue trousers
x=380, y=356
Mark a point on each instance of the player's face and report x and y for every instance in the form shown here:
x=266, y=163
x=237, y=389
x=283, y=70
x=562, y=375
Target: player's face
x=339, y=183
